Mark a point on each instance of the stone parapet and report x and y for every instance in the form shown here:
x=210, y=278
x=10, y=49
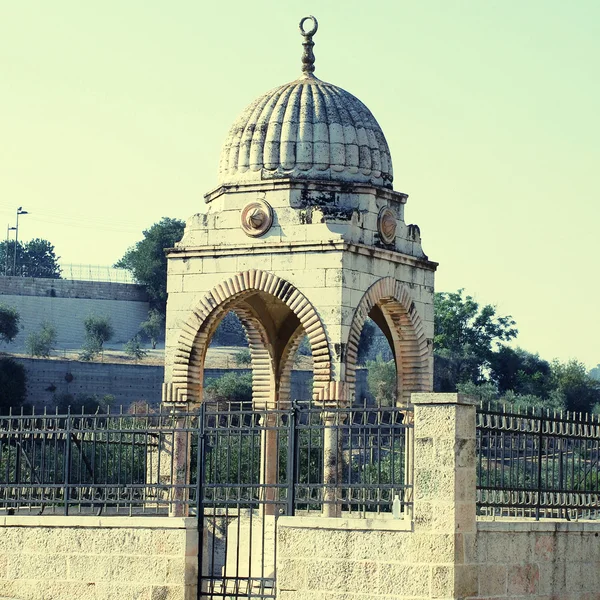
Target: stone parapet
x=68, y=288
x=68, y=558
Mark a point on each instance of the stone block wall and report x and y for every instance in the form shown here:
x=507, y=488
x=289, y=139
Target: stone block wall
x=66, y=304
x=544, y=559
x=91, y=558
x=68, y=288
x=129, y=382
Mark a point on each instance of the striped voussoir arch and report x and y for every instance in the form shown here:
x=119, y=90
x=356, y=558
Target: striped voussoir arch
x=411, y=347
x=197, y=330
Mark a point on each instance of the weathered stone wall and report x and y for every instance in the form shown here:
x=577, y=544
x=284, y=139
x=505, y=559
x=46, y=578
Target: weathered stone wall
x=544, y=559
x=71, y=558
x=68, y=288
x=127, y=382
x=66, y=304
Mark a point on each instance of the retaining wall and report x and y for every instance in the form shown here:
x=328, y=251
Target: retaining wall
x=71, y=558
x=126, y=382
x=66, y=304
x=544, y=559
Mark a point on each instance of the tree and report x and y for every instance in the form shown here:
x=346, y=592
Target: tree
x=381, y=379
x=41, y=343
x=13, y=384
x=36, y=258
x=82, y=403
x=465, y=337
x=520, y=371
x=135, y=349
x=147, y=261
x=488, y=394
x=595, y=373
x=243, y=358
x=154, y=326
x=230, y=332
x=9, y=323
x=98, y=329
x=231, y=387
x=581, y=392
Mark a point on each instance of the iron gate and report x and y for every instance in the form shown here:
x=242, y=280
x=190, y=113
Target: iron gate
x=255, y=466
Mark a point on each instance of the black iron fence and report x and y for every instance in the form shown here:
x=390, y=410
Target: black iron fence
x=537, y=463
x=301, y=459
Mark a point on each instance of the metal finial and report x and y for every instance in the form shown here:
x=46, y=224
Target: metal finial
x=308, y=58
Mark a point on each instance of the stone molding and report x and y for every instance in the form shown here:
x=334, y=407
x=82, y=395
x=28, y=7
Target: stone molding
x=287, y=183
x=411, y=347
x=268, y=247
x=195, y=334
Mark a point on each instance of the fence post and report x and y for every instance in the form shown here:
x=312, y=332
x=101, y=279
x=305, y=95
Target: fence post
x=539, y=465
x=200, y=475
x=445, y=485
x=292, y=461
x=67, y=460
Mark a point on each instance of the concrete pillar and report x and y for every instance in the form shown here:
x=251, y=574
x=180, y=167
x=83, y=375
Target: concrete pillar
x=445, y=487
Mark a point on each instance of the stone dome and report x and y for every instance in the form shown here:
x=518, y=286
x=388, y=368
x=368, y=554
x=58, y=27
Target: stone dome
x=306, y=129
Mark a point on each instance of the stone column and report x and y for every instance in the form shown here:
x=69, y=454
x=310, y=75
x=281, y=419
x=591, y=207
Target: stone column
x=445, y=489
x=269, y=463
x=180, y=469
x=332, y=462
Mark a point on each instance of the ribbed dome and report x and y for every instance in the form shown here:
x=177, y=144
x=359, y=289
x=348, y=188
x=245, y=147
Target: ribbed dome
x=306, y=129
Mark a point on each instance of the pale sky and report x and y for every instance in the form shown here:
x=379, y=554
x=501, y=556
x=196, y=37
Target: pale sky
x=113, y=114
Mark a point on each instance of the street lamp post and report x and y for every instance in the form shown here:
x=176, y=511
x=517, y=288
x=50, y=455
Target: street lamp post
x=8, y=228
x=20, y=211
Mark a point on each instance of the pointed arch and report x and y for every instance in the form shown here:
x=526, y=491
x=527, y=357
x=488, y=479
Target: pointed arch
x=186, y=384
x=412, y=349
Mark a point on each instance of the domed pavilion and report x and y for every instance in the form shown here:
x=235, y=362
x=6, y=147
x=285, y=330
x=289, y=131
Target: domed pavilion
x=303, y=235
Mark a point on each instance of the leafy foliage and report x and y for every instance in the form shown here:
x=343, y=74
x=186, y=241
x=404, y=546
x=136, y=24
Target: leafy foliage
x=86, y=403
x=135, y=349
x=9, y=323
x=520, y=371
x=231, y=387
x=466, y=335
x=230, y=332
x=42, y=342
x=243, y=358
x=154, y=326
x=381, y=379
x=36, y=258
x=147, y=261
x=98, y=329
x=572, y=381
x=13, y=384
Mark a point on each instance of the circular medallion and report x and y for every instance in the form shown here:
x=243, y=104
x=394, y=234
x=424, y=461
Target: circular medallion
x=386, y=224
x=257, y=218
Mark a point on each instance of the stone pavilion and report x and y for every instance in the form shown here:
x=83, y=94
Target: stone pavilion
x=303, y=234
